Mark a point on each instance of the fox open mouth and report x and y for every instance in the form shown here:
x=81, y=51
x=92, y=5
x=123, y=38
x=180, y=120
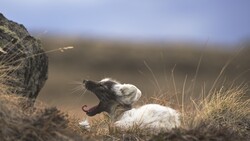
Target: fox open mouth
x=95, y=109
x=91, y=111
x=95, y=89
x=104, y=92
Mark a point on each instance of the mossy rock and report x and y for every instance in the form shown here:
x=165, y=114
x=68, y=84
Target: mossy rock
x=27, y=71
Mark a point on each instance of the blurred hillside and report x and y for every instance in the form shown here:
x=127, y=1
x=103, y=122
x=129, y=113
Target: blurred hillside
x=153, y=67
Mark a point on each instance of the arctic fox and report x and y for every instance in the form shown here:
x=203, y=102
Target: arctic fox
x=116, y=99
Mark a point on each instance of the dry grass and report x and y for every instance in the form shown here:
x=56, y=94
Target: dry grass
x=19, y=120
x=222, y=114
x=223, y=108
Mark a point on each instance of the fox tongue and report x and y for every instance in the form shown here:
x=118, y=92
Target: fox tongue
x=88, y=110
x=83, y=108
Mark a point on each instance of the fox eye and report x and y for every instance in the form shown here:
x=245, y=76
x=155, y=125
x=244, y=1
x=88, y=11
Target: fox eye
x=103, y=86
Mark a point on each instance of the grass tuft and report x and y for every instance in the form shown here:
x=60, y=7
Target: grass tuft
x=224, y=114
x=224, y=108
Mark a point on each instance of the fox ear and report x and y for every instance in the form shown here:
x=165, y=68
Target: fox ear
x=128, y=94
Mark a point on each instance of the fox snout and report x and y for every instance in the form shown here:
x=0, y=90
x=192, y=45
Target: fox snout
x=90, y=85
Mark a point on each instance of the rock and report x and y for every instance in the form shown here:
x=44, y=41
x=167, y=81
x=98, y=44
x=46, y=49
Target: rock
x=23, y=57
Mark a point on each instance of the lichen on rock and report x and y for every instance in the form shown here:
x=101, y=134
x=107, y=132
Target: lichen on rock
x=18, y=52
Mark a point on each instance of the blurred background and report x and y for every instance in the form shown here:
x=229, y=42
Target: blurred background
x=161, y=46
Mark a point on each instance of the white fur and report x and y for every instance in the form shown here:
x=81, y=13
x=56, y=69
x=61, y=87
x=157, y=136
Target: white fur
x=85, y=124
x=127, y=93
x=150, y=116
x=105, y=79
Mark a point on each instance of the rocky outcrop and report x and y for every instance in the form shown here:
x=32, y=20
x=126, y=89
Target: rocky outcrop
x=24, y=59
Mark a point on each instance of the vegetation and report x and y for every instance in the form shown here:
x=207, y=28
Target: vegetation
x=222, y=115
x=218, y=112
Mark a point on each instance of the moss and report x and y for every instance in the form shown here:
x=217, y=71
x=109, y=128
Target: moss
x=7, y=31
x=1, y=43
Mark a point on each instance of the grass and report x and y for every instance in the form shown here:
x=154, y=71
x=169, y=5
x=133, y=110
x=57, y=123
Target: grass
x=225, y=115
x=222, y=113
x=226, y=108
x=19, y=120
